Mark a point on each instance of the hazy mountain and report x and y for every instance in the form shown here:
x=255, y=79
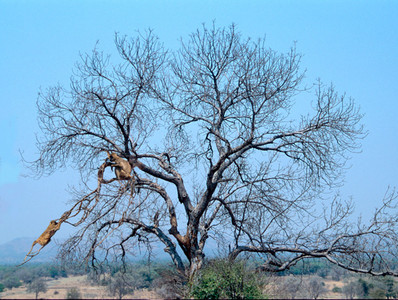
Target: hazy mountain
x=14, y=251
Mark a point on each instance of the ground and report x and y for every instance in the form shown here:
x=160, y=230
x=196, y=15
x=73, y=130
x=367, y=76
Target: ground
x=58, y=289
x=272, y=289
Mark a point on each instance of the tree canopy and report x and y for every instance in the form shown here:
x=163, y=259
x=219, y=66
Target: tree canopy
x=218, y=151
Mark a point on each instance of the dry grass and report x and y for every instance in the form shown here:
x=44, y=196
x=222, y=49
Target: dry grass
x=273, y=288
x=58, y=289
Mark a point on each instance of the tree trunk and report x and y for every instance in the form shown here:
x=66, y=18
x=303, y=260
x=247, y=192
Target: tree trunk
x=195, y=264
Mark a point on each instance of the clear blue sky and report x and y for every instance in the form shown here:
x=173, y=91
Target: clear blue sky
x=353, y=44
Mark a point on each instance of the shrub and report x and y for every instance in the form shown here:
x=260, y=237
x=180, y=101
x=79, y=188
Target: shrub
x=73, y=293
x=377, y=294
x=169, y=283
x=364, y=287
x=383, y=287
x=11, y=282
x=225, y=279
x=27, y=275
x=337, y=289
x=1, y=287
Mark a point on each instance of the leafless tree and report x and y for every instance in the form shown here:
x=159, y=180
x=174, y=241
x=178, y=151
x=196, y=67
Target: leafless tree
x=218, y=151
x=122, y=284
x=315, y=287
x=290, y=287
x=37, y=286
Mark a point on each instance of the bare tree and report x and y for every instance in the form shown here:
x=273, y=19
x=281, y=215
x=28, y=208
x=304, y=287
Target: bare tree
x=291, y=287
x=37, y=286
x=315, y=287
x=218, y=151
x=122, y=284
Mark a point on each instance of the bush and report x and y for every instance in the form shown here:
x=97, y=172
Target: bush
x=148, y=275
x=1, y=287
x=364, y=287
x=383, y=287
x=27, y=275
x=225, y=279
x=169, y=283
x=73, y=293
x=11, y=282
x=55, y=272
x=377, y=294
x=337, y=289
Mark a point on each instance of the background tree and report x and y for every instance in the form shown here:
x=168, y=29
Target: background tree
x=352, y=289
x=37, y=286
x=122, y=284
x=316, y=287
x=219, y=150
x=291, y=287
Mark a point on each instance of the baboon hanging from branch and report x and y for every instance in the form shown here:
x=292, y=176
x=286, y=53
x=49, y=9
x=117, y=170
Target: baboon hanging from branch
x=46, y=236
x=43, y=239
x=122, y=172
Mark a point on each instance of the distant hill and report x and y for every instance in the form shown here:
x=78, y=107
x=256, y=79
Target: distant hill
x=14, y=251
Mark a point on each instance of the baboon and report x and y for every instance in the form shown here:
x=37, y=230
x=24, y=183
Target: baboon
x=122, y=166
x=44, y=239
x=46, y=236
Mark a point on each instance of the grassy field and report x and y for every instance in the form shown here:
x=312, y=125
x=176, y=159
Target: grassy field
x=273, y=289
x=58, y=289
x=159, y=281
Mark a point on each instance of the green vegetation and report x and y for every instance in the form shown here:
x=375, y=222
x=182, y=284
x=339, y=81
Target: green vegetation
x=313, y=266
x=367, y=287
x=11, y=282
x=12, y=277
x=219, y=278
x=337, y=289
x=224, y=279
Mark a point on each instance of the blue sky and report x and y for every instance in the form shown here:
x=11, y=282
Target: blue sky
x=353, y=44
